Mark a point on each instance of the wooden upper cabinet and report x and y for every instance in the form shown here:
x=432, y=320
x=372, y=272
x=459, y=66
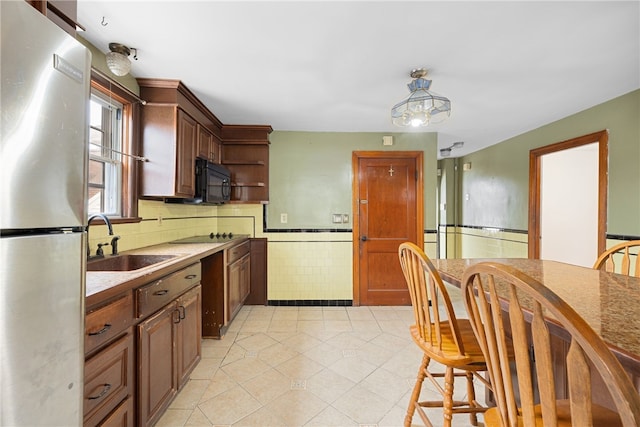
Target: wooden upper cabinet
x=186, y=155
x=208, y=145
x=64, y=13
x=169, y=138
x=245, y=152
x=176, y=126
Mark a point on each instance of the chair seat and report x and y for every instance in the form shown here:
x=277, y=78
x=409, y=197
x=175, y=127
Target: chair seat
x=602, y=417
x=447, y=352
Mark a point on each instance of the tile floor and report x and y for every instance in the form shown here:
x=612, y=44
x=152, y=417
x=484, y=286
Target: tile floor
x=307, y=366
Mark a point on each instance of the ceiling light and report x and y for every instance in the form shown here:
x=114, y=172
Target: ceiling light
x=118, y=59
x=446, y=152
x=421, y=107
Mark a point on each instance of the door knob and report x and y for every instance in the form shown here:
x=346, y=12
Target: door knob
x=363, y=238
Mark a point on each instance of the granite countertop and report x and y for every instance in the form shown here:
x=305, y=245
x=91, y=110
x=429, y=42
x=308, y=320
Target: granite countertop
x=609, y=302
x=103, y=285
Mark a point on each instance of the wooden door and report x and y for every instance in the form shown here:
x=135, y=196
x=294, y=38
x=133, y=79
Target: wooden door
x=189, y=333
x=157, y=383
x=388, y=210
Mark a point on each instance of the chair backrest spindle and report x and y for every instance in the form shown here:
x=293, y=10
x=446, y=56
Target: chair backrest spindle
x=608, y=260
x=503, y=303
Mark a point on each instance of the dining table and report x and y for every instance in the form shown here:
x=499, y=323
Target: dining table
x=609, y=302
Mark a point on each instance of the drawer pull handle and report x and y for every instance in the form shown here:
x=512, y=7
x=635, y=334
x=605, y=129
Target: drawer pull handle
x=105, y=390
x=176, y=319
x=191, y=276
x=182, y=313
x=161, y=292
x=104, y=329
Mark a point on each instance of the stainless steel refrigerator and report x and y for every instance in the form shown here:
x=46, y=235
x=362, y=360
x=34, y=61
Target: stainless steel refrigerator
x=45, y=75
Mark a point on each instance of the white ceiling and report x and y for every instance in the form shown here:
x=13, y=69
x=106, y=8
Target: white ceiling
x=507, y=67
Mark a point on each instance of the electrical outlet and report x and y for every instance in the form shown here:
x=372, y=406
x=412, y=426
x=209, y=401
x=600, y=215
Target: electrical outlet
x=283, y=218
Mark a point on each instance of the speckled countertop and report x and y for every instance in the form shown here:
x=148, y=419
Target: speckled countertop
x=103, y=285
x=610, y=303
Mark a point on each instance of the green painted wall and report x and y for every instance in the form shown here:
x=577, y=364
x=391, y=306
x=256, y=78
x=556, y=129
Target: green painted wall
x=498, y=182
x=310, y=176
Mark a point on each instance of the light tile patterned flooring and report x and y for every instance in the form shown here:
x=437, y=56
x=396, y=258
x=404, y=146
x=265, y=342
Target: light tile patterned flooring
x=307, y=366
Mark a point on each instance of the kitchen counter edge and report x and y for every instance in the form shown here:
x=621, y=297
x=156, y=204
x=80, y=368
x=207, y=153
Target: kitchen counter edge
x=102, y=286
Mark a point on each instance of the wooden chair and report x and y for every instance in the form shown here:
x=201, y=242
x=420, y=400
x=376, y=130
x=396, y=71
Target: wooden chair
x=442, y=337
x=495, y=296
x=607, y=260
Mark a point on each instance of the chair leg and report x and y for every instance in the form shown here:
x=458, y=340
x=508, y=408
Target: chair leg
x=415, y=395
x=447, y=404
x=471, y=393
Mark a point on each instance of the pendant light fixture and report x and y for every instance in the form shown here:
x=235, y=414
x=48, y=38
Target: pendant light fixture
x=118, y=59
x=421, y=107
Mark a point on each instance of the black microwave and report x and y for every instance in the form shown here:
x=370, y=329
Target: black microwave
x=213, y=183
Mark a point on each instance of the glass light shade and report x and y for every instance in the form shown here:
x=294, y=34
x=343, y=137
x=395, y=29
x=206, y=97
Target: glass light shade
x=421, y=107
x=118, y=63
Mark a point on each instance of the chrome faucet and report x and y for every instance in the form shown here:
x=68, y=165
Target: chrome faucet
x=114, y=240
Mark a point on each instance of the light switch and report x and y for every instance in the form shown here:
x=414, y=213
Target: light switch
x=337, y=218
x=345, y=218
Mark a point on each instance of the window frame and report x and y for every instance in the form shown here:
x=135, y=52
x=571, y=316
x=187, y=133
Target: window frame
x=130, y=143
x=109, y=156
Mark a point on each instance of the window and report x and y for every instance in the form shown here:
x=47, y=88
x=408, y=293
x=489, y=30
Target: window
x=105, y=165
x=113, y=138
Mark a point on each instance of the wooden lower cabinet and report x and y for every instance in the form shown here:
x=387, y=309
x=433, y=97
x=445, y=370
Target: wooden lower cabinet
x=140, y=348
x=189, y=333
x=168, y=350
x=231, y=279
x=109, y=380
x=238, y=278
x=122, y=416
x=157, y=383
x=239, y=284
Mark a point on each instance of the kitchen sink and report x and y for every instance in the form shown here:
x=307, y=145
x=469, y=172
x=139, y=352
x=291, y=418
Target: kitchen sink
x=126, y=262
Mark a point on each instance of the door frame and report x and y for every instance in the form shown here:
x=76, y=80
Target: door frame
x=418, y=157
x=535, y=172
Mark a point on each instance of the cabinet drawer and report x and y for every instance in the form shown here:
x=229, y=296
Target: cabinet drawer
x=105, y=323
x=238, y=251
x=122, y=416
x=108, y=379
x=152, y=297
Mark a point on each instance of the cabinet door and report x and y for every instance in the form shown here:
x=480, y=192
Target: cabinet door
x=157, y=383
x=189, y=333
x=238, y=285
x=245, y=278
x=186, y=155
x=205, y=144
x=233, y=290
